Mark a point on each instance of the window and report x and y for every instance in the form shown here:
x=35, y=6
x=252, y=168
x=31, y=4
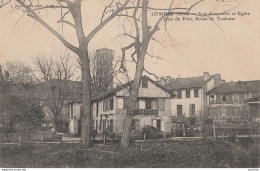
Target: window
x=196, y=92
x=71, y=111
x=192, y=109
x=111, y=104
x=148, y=104
x=234, y=111
x=105, y=104
x=212, y=110
x=144, y=83
x=212, y=99
x=179, y=94
x=104, y=124
x=179, y=110
x=96, y=124
x=81, y=112
x=125, y=103
x=187, y=93
x=224, y=97
x=97, y=110
x=235, y=97
x=248, y=95
x=135, y=125
x=224, y=111
x=100, y=123
x=158, y=124
x=111, y=123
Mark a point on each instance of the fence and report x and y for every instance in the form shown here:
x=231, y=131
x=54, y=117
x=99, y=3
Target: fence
x=219, y=132
x=30, y=136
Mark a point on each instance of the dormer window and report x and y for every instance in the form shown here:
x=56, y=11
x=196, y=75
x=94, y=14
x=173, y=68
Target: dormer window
x=187, y=93
x=179, y=94
x=196, y=92
x=212, y=98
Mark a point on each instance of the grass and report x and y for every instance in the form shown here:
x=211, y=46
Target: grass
x=189, y=154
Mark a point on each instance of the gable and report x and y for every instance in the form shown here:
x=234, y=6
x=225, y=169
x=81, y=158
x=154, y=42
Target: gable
x=152, y=90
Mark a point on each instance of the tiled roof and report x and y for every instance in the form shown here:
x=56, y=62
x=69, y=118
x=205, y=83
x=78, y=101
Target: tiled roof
x=237, y=87
x=187, y=83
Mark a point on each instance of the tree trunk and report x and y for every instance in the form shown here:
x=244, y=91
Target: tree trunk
x=86, y=95
x=133, y=92
x=129, y=116
x=141, y=52
x=56, y=122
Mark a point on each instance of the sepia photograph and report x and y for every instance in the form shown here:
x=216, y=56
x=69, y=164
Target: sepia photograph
x=129, y=84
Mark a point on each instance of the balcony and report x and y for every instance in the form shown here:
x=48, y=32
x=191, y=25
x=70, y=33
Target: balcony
x=153, y=112
x=213, y=101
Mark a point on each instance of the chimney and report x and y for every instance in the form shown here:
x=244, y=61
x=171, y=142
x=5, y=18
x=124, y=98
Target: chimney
x=205, y=76
x=218, y=80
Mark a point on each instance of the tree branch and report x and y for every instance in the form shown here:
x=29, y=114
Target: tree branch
x=102, y=24
x=33, y=15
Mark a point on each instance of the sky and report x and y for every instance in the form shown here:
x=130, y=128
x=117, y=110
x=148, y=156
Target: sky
x=230, y=48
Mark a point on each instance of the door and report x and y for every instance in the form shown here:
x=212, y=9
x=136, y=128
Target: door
x=158, y=124
x=79, y=128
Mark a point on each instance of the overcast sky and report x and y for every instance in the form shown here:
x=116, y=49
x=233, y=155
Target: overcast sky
x=230, y=48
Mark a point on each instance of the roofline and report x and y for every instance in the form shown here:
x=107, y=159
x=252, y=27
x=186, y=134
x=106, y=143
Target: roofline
x=127, y=84
x=187, y=88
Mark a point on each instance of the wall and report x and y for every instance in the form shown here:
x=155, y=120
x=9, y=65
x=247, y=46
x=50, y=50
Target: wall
x=73, y=125
x=185, y=102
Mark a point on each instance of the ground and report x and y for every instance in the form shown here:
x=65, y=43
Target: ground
x=191, y=154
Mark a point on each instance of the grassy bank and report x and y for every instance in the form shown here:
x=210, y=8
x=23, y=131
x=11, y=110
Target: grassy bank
x=191, y=154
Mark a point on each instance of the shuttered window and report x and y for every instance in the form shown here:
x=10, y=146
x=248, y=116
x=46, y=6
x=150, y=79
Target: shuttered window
x=192, y=109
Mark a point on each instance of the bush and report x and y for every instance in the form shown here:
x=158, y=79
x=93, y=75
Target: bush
x=152, y=132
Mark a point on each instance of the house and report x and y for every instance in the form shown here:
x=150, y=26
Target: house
x=109, y=109
x=227, y=101
x=190, y=99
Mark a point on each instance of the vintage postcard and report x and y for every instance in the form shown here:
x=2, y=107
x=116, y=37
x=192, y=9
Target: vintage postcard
x=129, y=84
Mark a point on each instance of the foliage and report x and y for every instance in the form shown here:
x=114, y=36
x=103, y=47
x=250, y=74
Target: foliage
x=17, y=107
x=152, y=132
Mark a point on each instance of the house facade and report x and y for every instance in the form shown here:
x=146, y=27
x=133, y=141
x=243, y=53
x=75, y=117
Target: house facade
x=190, y=99
x=109, y=109
x=227, y=102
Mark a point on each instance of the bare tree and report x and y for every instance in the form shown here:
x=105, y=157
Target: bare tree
x=55, y=85
x=73, y=8
x=143, y=34
x=19, y=72
x=4, y=3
